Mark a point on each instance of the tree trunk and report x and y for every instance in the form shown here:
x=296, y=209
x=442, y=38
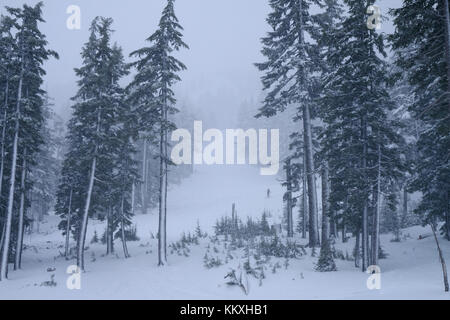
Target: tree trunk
x=290, y=227
x=133, y=187
x=162, y=199
x=357, y=249
x=304, y=201
x=343, y=226
x=2, y=239
x=376, y=216
x=165, y=164
x=441, y=257
x=405, y=206
x=333, y=225
x=122, y=227
x=84, y=222
x=365, y=239
x=308, y=145
x=326, y=262
x=20, y=226
x=365, y=233
x=325, y=204
x=166, y=177
x=344, y=232
x=2, y=166
x=144, y=179
x=2, y=148
x=108, y=231
x=69, y=213
x=310, y=173
x=5, y=252
x=332, y=214
x=111, y=230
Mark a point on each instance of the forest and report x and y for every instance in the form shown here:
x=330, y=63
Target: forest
x=364, y=146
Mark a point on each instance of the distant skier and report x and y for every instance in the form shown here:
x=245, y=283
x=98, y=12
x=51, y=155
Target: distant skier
x=268, y=193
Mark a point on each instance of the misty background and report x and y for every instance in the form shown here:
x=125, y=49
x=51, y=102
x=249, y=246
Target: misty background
x=223, y=36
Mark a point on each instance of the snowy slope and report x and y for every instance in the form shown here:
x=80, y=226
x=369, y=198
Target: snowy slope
x=411, y=271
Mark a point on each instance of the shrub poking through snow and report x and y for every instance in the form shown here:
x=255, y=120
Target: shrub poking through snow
x=181, y=247
x=211, y=262
x=326, y=262
x=246, y=247
x=276, y=248
x=50, y=283
x=199, y=233
x=233, y=227
x=95, y=238
x=253, y=244
x=382, y=254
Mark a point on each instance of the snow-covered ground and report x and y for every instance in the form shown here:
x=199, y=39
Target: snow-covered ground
x=411, y=271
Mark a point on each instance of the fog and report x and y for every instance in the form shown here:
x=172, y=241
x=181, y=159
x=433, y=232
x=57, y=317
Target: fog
x=223, y=36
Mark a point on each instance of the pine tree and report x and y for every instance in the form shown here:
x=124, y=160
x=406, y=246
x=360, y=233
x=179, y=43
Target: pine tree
x=330, y=19
x=7, y=43
x=25, y=103
x=289, y=78
x=361, y=142
x=93, y=132
x=69, y=195
x=299, y=180
x=152, y=89
x=125, y=172
x=44, y=174
x=422, y=53
x=265, y=227
x=403, y=95
x=427, y=68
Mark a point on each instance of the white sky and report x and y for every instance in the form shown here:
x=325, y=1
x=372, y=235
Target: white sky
x=223, y=35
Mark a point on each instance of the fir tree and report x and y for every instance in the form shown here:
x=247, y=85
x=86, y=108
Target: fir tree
x=24, y=100
x=152, y=88
x=125, y=171
x=361, y=142
x=330, y=19
x=422, y=52
x=289, y=78
x=423, y=55
x=93, y=133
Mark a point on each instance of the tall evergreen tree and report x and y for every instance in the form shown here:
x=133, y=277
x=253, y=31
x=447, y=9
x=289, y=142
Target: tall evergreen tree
x=152, y=88
x=7, y=43
x=44, y=174
x=329, y=19
x=289, y=79
x=361, y=141
x=26, y=119
x=92, y=133
x=422, y=52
